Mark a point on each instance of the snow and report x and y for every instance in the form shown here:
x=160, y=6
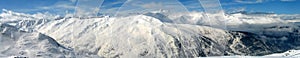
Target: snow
x=23, y=44
x=98, y=34
x=145, y=35
x=287, y=54
x=290, y=54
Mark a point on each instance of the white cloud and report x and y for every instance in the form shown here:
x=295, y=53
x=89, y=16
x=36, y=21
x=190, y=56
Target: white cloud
x=143, y=6
x=152, y=5
x=250, y=1
x=59, y=5
x=83, y=7
x=88, y=7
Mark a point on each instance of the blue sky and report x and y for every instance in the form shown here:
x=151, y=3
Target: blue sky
x=62, y=6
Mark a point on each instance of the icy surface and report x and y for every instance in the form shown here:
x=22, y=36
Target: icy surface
x=146, y=35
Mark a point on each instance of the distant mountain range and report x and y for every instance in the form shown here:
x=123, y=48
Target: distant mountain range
x=145, y=35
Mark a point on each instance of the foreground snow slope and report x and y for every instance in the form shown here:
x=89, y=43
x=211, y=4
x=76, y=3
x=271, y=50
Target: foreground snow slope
x=14, y=42
x=290, y=53
x=287, y=54
x=150, y=36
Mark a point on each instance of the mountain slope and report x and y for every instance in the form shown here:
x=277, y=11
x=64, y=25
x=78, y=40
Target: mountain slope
x=148, y=36
x=145, y=36
x=16, y=42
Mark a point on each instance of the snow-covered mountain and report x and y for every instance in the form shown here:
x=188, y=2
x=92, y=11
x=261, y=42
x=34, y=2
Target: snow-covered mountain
x=150, y=35
x=14, y=42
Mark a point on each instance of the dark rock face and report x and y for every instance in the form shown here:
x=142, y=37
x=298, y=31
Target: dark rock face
x=259, y=45
x=249, y=44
